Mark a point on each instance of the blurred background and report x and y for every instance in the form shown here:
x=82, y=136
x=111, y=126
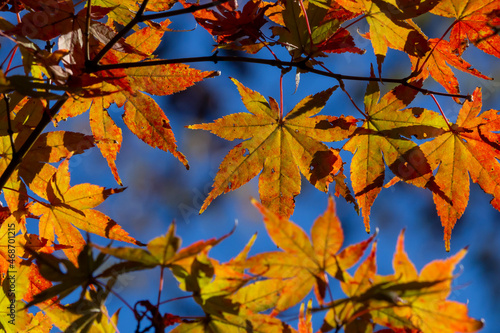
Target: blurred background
x=160, y=190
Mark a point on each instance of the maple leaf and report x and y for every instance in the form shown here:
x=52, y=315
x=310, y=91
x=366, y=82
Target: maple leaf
x=239, y=29
x=219, y=288
x=107, y=135
x=473, y=23
x=128, y=88
x=122, y=11
x=436, y=66
x=6, y=260
x=61, y=21
x=344, y=310
x=471, y=147
x=389, y=27
x=25, y=114
x=303, y=263
x=211, y=283
x=58, y=17
x=384, y=137
x=324, y=23
x=279, y=147
x=70, y=208
x=428, y=308
x=24, y=321
x=405, y=301
x=89, y=309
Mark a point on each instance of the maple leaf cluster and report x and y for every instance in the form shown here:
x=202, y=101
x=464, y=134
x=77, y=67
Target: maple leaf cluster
x=77, y=56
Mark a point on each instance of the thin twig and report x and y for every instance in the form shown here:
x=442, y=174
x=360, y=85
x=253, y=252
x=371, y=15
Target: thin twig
x=303, y=8
x=271, y=62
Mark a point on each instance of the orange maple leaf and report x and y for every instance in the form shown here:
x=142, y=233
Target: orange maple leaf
x=230, y=25
x=405, y=301
x=391, y=27
x=440, y=56
x=129, y=87
x=319, y=32
x=473, y=23
x=70, y=208
x=469, y=148
x=303, y=263
x=50, y=147
x=278, y=146
x=426, y=308
x=384, y=138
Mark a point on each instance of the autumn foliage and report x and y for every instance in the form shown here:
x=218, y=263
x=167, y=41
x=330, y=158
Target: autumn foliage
x=66, y=58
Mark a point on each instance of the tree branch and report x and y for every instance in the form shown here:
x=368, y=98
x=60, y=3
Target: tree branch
x=271, y=62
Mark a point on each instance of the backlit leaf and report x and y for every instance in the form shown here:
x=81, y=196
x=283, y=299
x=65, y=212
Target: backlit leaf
x=303, y=263
x=472, y=23
x=470, y=148
x=278, y=147
x=389, y=29
x=440, y=58
x=71, y=208
x=384, y=138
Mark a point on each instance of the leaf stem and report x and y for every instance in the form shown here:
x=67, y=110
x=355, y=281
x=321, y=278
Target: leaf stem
x=160, y=288
x=10, y=60
x=14, y=49
x=24, y=195
x=442, y=113
x=281, y=96
x=303, y=8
